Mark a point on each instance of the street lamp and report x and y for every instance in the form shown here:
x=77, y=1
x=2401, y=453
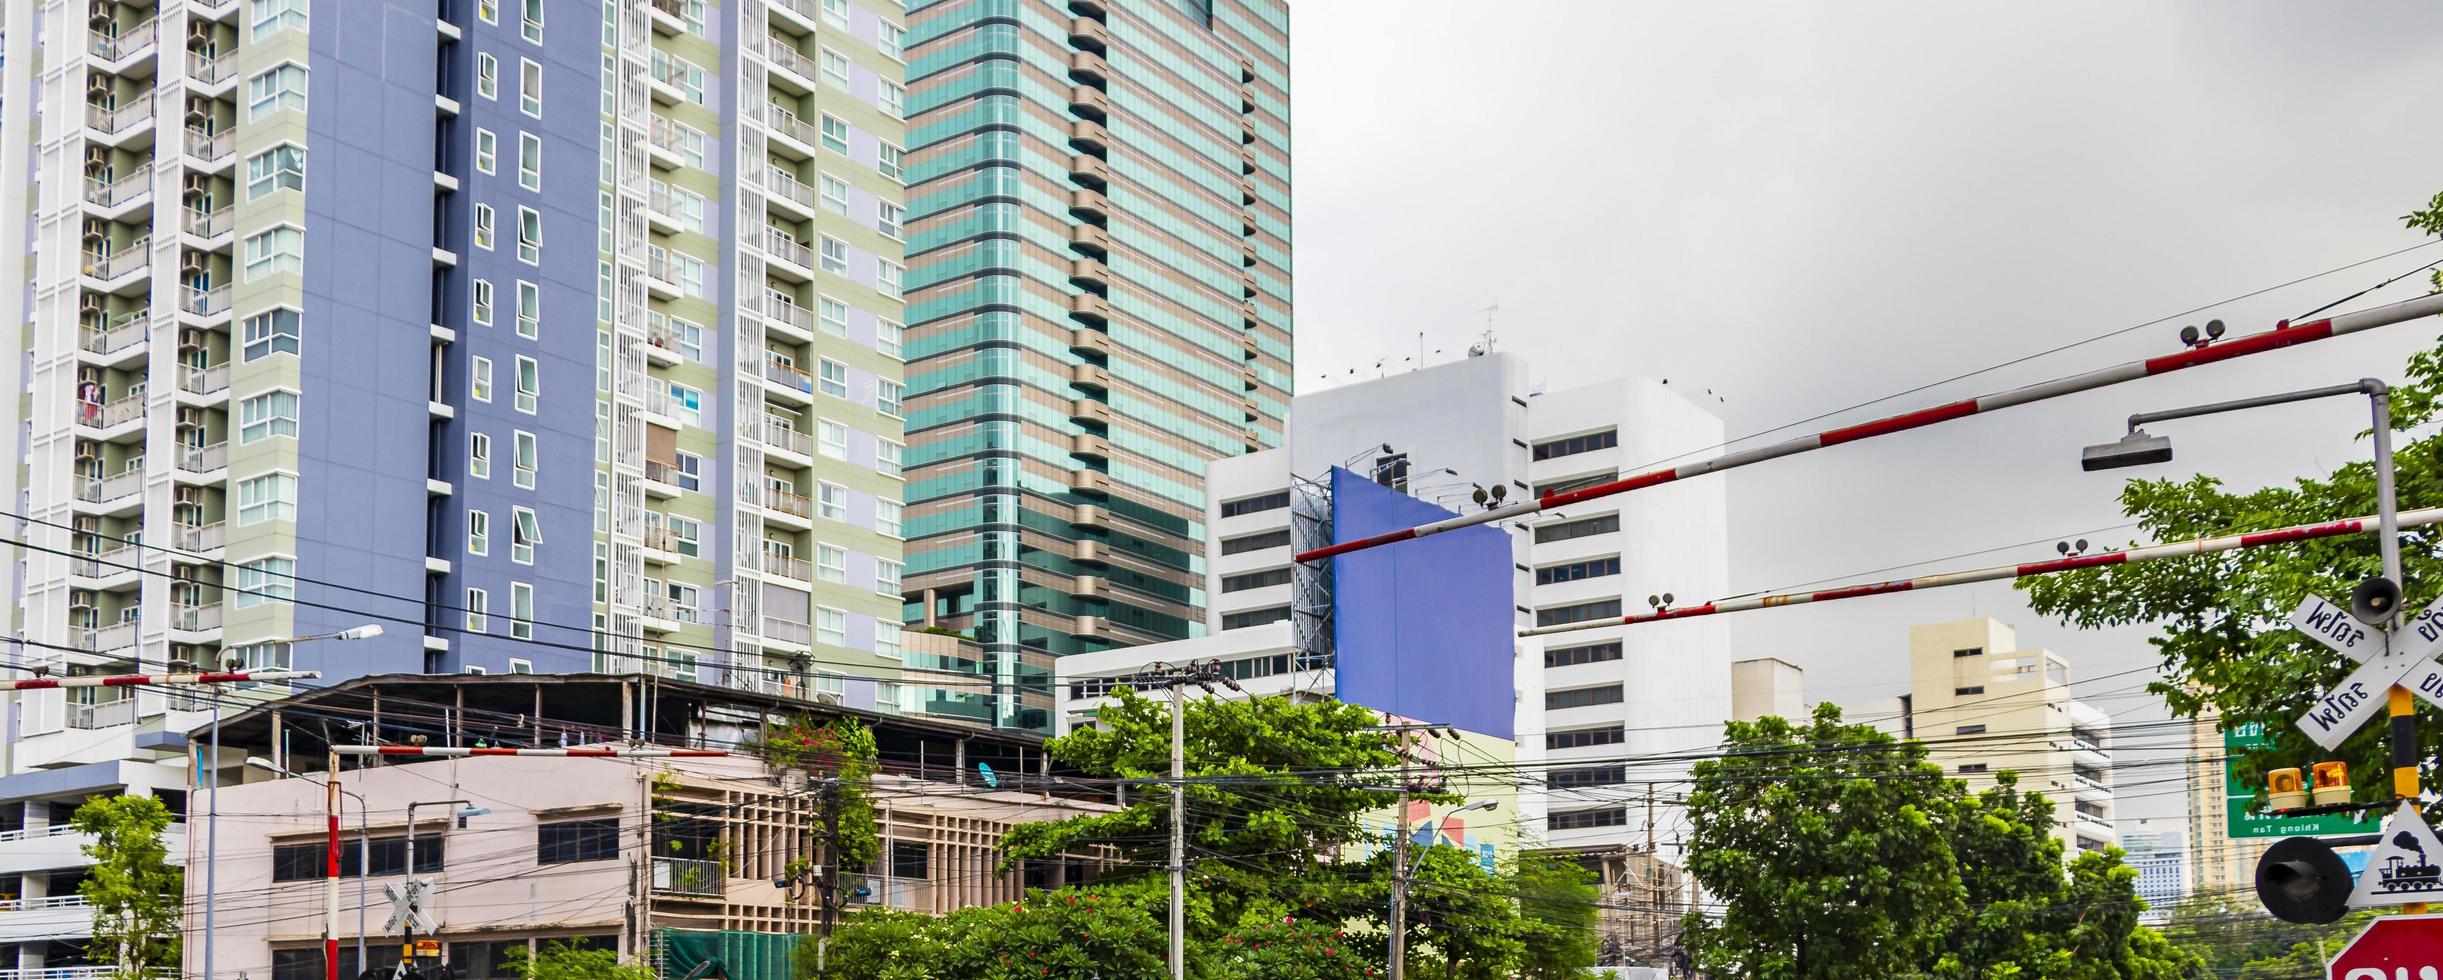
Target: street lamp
x=466, y=809
x=364, y=843
x=212, y=824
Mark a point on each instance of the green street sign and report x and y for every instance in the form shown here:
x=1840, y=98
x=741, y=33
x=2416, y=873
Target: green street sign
x=2240, y=798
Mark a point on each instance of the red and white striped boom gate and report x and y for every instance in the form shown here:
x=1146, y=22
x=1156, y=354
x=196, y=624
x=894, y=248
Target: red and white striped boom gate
x=157, y=680
x=2175, y=549
x=582, y=752
x=2282, y=335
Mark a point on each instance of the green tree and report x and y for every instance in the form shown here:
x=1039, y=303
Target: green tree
x=2233, y=930
x=564, y=961
x=2303, y=958
x=137, y=896
x=2219, y=618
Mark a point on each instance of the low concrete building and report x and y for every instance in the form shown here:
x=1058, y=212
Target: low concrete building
x=1766, y=687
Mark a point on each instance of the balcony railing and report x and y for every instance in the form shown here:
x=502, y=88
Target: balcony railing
x=788, y=374
x=791, y=313
x=203, y=459
x=107, y=638
x=122, y=118
x=787, y=631
x=113, y=340
x=686, y=876
x=111, y=488
x=106, y=415
x=662, y=268
x=660, y=539
x=665, y=134
x=803, y=8
x=128, y=42
x=102, y=563
x=787, y=249
x=787, y=438
x=105, y=714
x=789, y=125
x=788, y=567
x=206, y=302
x=126, y=259
x=786, y=184
x=781, y=500
x=195, y=618
x=204, y=380
x=49, y=902
x=209, y=225
x=661, y=472
x=115, y=192
x=210, y=71
x=785, y=57
x=38, y=833
x=198, y=537
x=210, y=146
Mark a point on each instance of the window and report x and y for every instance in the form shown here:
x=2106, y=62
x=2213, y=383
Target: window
x=682, y=602
x=1579, y=612
x=1253, y=505
x=836, y=11
x=309, y=862
x=529, y=383
x=1581, y=697
x=834, y=193
x=834, y=256
x=1576, y=483
x=274, y=89
x=1579, y=738
x=1256, y=542
x=523, y=464
x=1973, y=767
x=887, y=517
x=1969, y=730
x=832, y=314
x=887, y=160
x=680, y=73
x=1254, y=617
x=266, y=580
x=479, y=455
x=832, y=438
x=1978, y=689
x=1578, y=570
x=888, y=338
x=479, y=379
x=1968, y=652
x=488, y=11
x=1606, y=439
x=529, y=309
x=571, y=841
x=281, y=168
x=483, y=240
x=830, y=626
x=835, y=133
x=886, y=639
x=893, y=98
x=688, y=404
x=487, y=75
x=530, y=161
x=886, y=576
x=525, y=531
x=831, y=501
x=478, y=620
x=886, y=457
x=530, y=20
x=479, y=532
x=832, y=376
x=270, y=497
x=272, y=16
x=481, y=295
x=831, y=563
x=487, y=150
x=887, y=277
x=1581, y=528
x=529, y=235
x=1255, y=580
x=530, y=88
x=1588, y=819
x=1591, y=776
x=517, y=666
x=272, y=413
x=277, y=249
x=835, y=67
x=687, y=536
x=690, y=471
x=1573, y=656
x=893, y=40
x=887, y=217
x=521, y=611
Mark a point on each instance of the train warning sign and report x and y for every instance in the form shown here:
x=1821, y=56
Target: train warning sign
x=2403, y=867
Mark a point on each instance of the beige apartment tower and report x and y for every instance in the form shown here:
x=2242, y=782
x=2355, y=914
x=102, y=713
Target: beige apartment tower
x=1984, y=706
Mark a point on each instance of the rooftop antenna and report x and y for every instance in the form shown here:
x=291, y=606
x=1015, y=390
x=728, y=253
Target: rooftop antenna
x=1485, y=346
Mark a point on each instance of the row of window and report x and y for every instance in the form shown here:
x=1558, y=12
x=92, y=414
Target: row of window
x=1581, y=697
x=528, y=310
x=1584, y=527
x=1579, y=738
x=1578, y=570
x=1582, y=612
x=1590, y=442
x=1590, y=776
x=524, y=460
x=1255, y=580
x=525, y=531
x=478, y=611
x=1588, y=819
x=1573, y=656
x=1254, y=617
x=1256, y=542
x=1255, y=505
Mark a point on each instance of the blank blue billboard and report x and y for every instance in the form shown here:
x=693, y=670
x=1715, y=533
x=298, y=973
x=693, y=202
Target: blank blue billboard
x=1423, y=628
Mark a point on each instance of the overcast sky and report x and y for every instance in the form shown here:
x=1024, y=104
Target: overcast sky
x=1803, y=206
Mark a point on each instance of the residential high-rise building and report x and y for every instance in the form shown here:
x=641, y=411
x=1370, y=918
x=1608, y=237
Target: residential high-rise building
x=2161, y=861
x=550, y=335
x=1983, y=706
x=1099, y=304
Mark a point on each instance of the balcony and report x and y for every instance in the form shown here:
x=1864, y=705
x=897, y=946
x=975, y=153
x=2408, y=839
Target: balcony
x=804, y=11
x=783, y=566
x=684, y=876
x=784, y=248
x=1089, y=136
x=786, y=439
x=788, y=631
x=111, y=194
x=786, y=58
x=662, y=276
x=114, y=341
x=665, y=136
x=661, y=480
x=1091, y=171
x=102, y=714
x=1092, y=309
x=788, y=126
x=1090, y=205
x=660, y=539
x=669, y=17
x=208, y=225
x=107, y=638
x=788, y=375
x=211, y=147
x=39, y=919
x=112, y=122
x=198, y=537
x=1090, y=102
x=205, y=380
x=205, y=302
x=210, y=71
x=1090, y=274
x=195, y=619
x=128, y=259
x=1089, y=67
x=791, y=317
x=127, y=44
x=122, y=560
x=784, y=186
x=204, y=459
x=793, y=504
x=111, y=415
x=128, y=484
x=1089, y=34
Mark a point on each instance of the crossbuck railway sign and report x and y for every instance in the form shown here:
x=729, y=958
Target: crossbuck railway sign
x=2405, y=657
x=407, y=906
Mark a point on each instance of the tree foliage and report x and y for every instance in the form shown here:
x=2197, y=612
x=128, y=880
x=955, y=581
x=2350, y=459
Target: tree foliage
x=566, y=961
x=2225, y=648
x=1839, y=851
x=137, y=896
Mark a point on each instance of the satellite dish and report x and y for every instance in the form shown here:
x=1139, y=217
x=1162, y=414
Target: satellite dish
x=990, y=781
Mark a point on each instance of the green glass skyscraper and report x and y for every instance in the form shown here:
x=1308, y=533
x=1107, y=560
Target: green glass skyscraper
x=1098, y=303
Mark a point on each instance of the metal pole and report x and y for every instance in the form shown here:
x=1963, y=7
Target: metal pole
x=364, y=861
x=1399, y=875
x=2399, y=702
x=1179, y=738
x=212, y=842
x=407, y=924
x=330, y=885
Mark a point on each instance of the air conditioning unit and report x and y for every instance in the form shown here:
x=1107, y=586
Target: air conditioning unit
x=97, y=87
x=97, y=156
x=192, y=262
x=189, y=496
x=86, y=524
x=92, y=303
x=194, y=183
x=199, y=110
x=88, y=451
x=190, y=418
x=80, y=599
x=186, y=573
x=199, y=32
x=190, y=338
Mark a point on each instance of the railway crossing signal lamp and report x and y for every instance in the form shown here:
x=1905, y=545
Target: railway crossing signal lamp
x=2332, y=783
x=2301, y=880
x=2284, y=790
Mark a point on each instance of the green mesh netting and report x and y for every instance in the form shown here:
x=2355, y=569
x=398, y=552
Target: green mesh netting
x=737, y=955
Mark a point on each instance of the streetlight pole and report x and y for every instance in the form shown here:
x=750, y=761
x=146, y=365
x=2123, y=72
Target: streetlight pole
x=407, y=927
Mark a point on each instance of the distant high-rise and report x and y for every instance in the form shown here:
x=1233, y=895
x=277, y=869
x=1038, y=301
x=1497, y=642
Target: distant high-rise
x=1983, y=706
x=1098, y=304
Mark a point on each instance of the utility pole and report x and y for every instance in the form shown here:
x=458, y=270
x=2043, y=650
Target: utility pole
x=1399, y=872
x=1176, y=680
x=829, y=887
